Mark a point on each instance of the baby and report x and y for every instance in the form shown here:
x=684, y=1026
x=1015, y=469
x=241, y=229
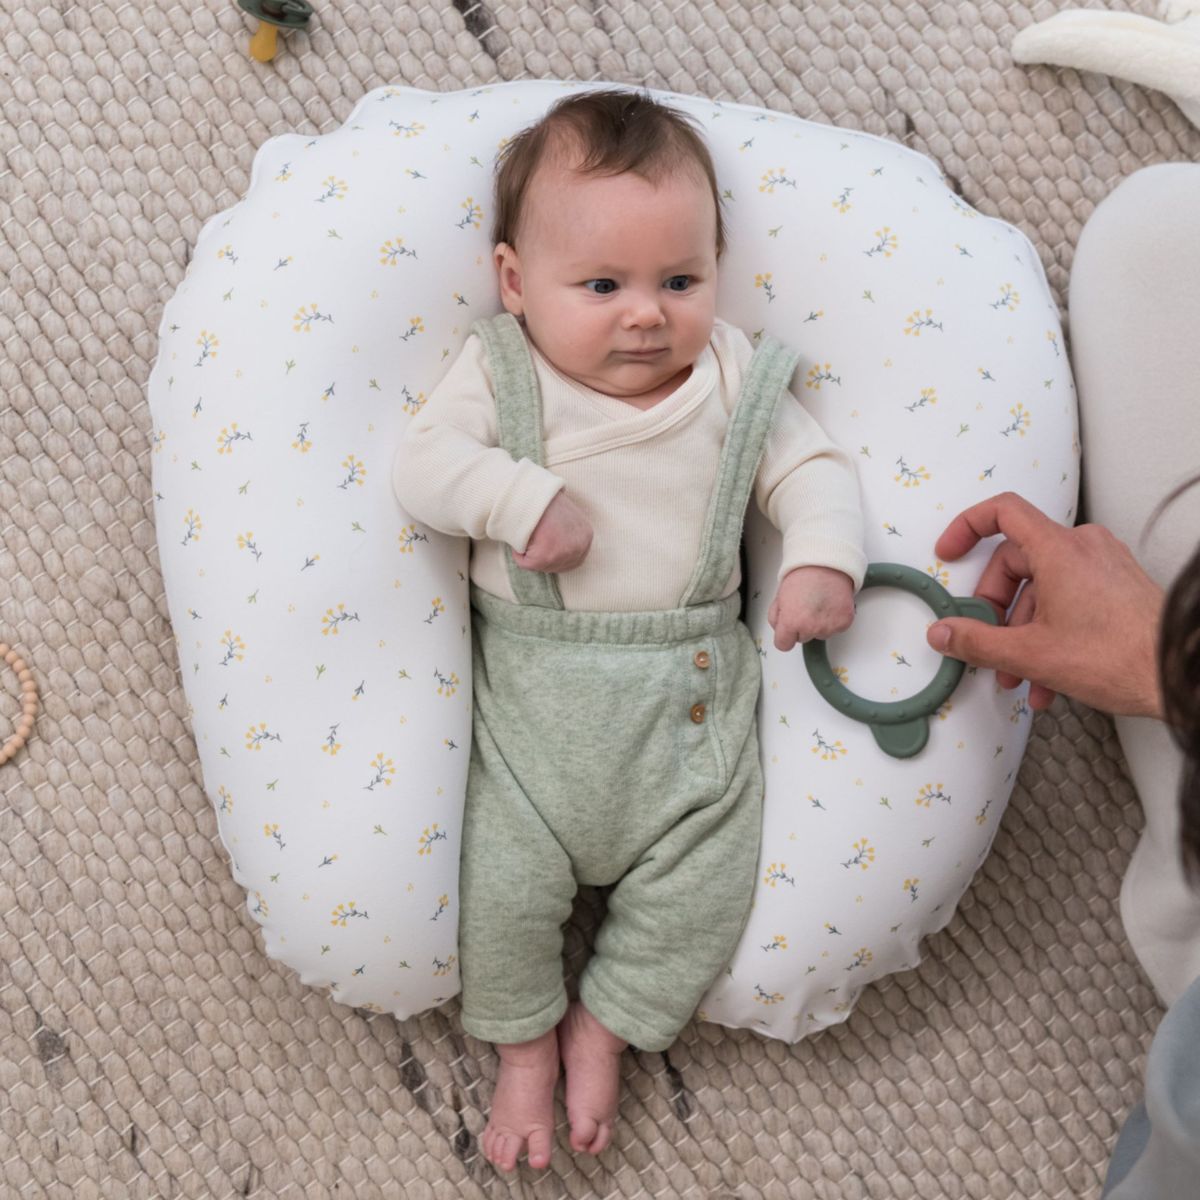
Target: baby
x=599, y=443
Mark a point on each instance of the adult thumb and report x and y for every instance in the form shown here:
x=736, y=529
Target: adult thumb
x=1001, y=648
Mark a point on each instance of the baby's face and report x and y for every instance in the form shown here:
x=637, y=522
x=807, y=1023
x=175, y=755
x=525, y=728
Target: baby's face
x=616, y=278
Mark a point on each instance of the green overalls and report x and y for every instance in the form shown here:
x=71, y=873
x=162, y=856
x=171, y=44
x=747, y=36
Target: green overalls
x=612, y=748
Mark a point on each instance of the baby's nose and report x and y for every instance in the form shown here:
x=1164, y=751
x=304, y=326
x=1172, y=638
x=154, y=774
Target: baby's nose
x=644, y=309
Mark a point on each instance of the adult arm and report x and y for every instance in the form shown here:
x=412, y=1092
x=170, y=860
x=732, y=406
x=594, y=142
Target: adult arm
x=1086, y=619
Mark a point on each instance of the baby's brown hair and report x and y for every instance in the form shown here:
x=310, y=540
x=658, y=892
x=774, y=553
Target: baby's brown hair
x=613, y=131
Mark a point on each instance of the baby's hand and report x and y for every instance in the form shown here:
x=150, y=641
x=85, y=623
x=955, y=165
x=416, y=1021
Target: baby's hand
x=812, y=602
x=560, y=540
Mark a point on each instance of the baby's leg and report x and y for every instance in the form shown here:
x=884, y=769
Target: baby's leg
x=523, y=1105
x=591, y=1054
x=515, y=888
x=674, y=920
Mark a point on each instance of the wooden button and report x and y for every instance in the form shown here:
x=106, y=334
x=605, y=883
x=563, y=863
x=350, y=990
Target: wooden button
x=702, y=660
x=698, y=713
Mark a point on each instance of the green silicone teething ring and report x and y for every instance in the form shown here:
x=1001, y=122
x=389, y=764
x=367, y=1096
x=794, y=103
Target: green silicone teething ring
x=901, y=727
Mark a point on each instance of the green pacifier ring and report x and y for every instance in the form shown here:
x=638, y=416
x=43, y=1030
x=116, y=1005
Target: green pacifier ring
x=901, y=727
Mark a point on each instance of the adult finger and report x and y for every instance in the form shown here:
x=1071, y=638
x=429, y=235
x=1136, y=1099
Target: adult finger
x=1005, y=513
x=1015, y=650
x=1006, y=570
x=1022, y=614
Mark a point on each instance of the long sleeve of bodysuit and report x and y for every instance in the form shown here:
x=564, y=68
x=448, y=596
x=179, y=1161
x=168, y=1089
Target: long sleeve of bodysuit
x=449, y=472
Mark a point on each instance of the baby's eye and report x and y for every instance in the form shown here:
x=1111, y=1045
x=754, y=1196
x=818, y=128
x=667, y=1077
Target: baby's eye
x=679, y=283
x=602, y=288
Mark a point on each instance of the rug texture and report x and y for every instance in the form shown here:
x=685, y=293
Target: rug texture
x=148, y=1048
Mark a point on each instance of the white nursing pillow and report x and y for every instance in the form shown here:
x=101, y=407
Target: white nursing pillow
x=324, y=635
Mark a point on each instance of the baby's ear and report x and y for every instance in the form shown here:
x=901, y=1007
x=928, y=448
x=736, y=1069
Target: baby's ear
x=508, y=272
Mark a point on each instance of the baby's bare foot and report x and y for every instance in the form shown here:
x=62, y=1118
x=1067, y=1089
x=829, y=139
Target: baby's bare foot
x=591, y=1054
x=523, y=1106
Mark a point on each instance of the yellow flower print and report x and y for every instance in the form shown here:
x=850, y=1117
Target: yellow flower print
x=256, y=737
x=826, y=750
x=915, y=322
x=885, y=244
x=384, y=768
x=429, y=835
x=410, y=405
x=775, y=177
x=235, y=648
x=415, y=326
x=764, y=997
x=861, y=959
x=332, y=621
x=777, y=872
x=842, y=203
x=192, y=520
x=939, y=572
x=272, y=831
x=228, y=437
x=335, y=189
x=863, y=856
x=910, y=477
x=447, y=684
x=305, y=320
x=207, y=343
x=1021, y=420
x=764, y=282
x=409, y=536
x=931, y=792
x=344, y=912
x=356, y=472
x=817, y=375
x=928, y=396
x=246, y=542
x=910, y=886
x=1009, y=298
x=393, y=250
x=474, y=214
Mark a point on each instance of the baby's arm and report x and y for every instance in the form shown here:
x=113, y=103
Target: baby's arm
x=561, y=539
x=806, y=486
x=449, y=472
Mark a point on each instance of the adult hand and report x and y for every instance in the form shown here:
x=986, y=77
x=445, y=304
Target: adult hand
x=560, y=540
x=1086, y=622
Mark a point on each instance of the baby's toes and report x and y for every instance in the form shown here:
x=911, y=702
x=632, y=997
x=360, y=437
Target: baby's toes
x=505, y=1147
x=539, y=1148
x=602, y=1138
x=584, y=1132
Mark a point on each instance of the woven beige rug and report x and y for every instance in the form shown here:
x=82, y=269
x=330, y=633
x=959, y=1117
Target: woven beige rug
x=148, y=1048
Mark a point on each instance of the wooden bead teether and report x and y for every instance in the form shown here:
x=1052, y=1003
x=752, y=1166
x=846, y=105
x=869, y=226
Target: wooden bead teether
x=29, y=703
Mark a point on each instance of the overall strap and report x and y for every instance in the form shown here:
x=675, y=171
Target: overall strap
x=519, y=417
x=767, y=376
